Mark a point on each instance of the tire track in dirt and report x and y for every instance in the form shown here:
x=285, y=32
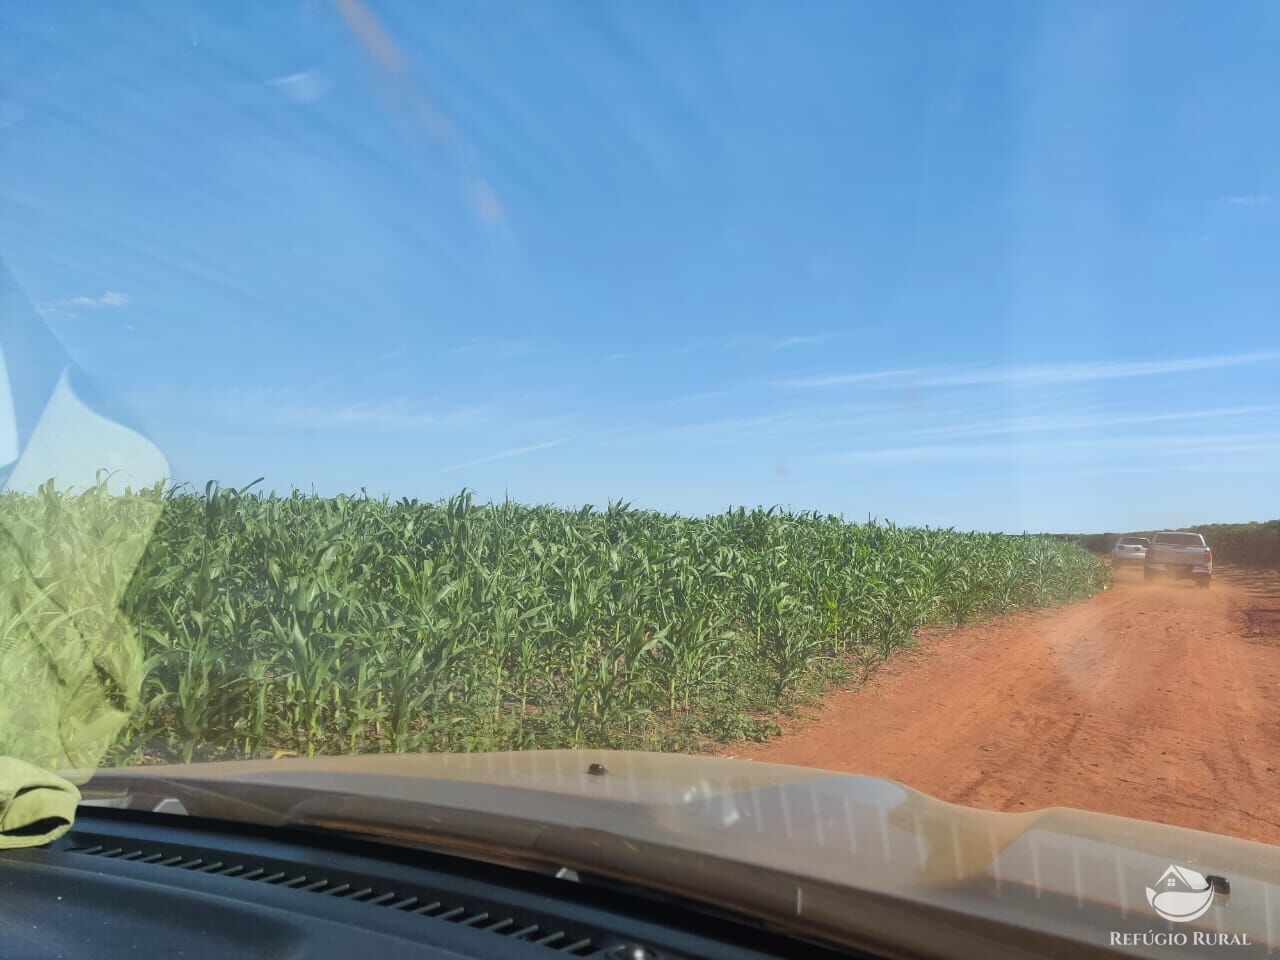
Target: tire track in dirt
x=1160, y=702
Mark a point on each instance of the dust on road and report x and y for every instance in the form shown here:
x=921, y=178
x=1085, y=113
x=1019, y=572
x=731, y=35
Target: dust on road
x=1159, y=702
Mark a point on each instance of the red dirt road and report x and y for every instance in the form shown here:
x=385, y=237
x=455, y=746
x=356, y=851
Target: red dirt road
x=1160, y=702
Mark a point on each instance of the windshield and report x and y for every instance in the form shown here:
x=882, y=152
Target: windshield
x=768, y=382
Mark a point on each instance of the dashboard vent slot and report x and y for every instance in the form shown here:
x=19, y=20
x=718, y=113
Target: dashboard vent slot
x=426, y=905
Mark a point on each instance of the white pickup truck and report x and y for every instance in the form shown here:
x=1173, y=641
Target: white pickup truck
x=1179, y=554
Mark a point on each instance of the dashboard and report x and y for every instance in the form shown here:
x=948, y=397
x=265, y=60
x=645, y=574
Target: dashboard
x=125, y=884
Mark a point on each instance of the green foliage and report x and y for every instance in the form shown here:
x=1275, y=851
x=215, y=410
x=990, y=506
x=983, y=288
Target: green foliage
x=71, y=664
x=325, y=625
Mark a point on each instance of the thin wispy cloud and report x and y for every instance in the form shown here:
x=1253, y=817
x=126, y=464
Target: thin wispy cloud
x=305, y=86
x=702, y=397
x=109, y=298
x=685, y=349
x=1042, y=374
x=938, y=451
x=1248, y=199
x=1094, y=421
x=1075, y=451
x=801, y=341
x=386, y=415
x=723, y=429
x=506, y=454
x=844, y=379
x=1045, y=374
x=497, y=349
x=299, y=397
x=750, y=342
x=781, y=426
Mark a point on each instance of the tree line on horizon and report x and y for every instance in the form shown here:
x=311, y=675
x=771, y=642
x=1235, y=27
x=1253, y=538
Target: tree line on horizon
x=1254, y=544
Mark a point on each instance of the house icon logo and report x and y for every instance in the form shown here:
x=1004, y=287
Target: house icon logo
x=1180, y=895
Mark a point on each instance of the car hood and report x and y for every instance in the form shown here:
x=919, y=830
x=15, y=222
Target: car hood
x=847, y=859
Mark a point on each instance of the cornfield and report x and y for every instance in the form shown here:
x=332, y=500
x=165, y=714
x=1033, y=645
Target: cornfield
x=256, y=624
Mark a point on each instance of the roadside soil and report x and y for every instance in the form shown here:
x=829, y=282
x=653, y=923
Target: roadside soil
x=1155, y=701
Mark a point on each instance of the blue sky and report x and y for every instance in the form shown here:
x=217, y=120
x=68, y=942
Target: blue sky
x=1006, y=266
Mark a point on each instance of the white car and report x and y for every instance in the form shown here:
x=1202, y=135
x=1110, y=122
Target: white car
x=1177, y=553
x=1129, y=551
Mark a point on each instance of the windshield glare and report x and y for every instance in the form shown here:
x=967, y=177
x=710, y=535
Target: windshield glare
x=765, y=382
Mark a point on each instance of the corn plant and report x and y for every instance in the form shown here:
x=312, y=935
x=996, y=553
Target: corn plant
x=227, y=622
